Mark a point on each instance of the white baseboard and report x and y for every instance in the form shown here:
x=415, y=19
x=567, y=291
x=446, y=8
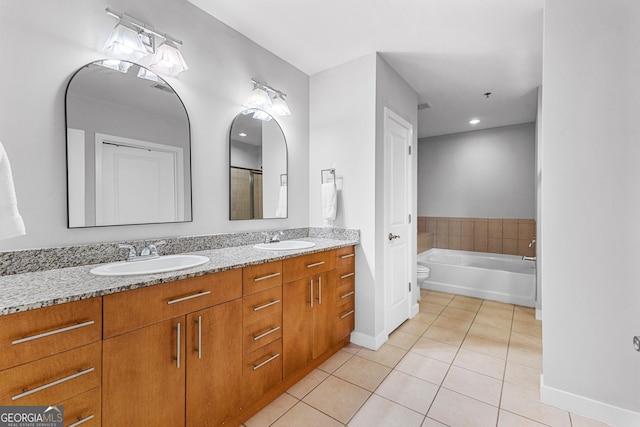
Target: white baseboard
x=589, y=408
x=368, y=341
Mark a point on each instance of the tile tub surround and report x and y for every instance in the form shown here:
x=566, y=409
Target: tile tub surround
x=31, y=260
x=509, y=236
x=27, y=291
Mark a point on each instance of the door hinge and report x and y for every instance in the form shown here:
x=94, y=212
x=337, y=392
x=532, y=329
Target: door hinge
x=409, y=286
x=409, y=218
x=410, y=150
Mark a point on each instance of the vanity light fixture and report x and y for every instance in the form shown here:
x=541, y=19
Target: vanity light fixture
x=134, y=40
x=268, y=99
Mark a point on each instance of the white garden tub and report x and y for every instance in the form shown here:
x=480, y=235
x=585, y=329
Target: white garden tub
x=504, y=278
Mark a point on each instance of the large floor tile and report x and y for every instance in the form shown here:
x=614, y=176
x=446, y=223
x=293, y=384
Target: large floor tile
x=363, y=372
x=448, y=322
x=272, y=411
x=379, y=411
x=422, y=367
x=414, y=327
x=409, y=391
x=457, y=410
x=526, y=402
x=447, y=336
x=430, y=307
x=466, y=303
x=430, y=422
x=522, y=375
x=485, y=346
x=497, y=304
x=493, y=321
x=305, y=415
x=507, y=419
x=579, y=421
x=335, y=361
x=527, y=327
x=525, y=350
x=436, y=298
x=308, y=383
x=435, y=349
x=336, y=398
x=490, y=332
x=458, y=313
x=387, y=355
x=427, y=318
x=402, y=339
x=480, y=363
x=473, y=384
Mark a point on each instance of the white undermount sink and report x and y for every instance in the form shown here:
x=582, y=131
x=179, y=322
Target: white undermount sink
x=285, y=245
x=150, y=266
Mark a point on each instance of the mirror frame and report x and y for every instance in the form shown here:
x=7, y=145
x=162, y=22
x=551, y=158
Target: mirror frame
x=187, y=157
x=283, y=177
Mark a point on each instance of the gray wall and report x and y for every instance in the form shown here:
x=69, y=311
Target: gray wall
x=58, y=37
x=488, y=173
x=590, y=208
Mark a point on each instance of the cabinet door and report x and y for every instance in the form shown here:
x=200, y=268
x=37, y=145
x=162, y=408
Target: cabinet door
x=214, y=364
x=297, y=323
x=324, y=316
x=144, y=376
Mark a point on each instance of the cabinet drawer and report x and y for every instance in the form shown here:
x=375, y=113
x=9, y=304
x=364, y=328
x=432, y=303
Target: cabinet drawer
x=345, y=296
x=262, y=332
x=134, y=309
x=83, y=409
x=32, y=335
x=261, y=371
x=345, y=275
x=308, y=265
x=346, y=321
x=257, y=278
x=345, y=256
x=52, y=379
x=262, y=304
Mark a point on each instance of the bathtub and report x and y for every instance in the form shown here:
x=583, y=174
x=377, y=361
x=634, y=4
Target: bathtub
x=504, y=278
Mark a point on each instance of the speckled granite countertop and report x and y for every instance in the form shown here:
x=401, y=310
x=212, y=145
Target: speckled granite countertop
x=27, y=291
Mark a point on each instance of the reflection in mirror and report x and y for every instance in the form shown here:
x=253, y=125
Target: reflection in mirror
x=258, y=167
x=128, y=147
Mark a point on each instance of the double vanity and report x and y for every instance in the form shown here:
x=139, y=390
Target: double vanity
x=206, y=345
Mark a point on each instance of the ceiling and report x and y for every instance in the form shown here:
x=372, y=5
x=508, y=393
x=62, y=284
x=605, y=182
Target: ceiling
x=451, y=52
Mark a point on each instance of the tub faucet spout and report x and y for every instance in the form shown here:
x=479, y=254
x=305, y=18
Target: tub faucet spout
x=528, y=258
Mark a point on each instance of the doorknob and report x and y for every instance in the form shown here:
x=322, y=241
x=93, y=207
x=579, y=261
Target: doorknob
x=636, y=343
x=393, y=236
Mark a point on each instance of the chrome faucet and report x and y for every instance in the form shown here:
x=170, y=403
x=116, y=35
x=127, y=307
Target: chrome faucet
x=149, y=251
x=273, y=238
x=532, y=242
x=528, y=258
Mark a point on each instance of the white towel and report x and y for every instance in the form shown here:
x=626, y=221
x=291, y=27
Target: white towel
x=329, y=202
x=281, y=210
x=11, y=224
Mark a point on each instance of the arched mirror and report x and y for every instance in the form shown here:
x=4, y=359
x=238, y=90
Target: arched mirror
x=257, y=167
x=128, y=147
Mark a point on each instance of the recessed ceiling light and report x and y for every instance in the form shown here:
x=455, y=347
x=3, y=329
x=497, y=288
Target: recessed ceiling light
x=474, y=121
x=242, y=134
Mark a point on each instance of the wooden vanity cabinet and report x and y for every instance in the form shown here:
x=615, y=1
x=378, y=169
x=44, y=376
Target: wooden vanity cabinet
x=182, y=356
x=52, y=356
x=309, y=308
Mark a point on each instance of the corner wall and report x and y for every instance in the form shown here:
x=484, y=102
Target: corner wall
x=590, y=208
x=56, y=39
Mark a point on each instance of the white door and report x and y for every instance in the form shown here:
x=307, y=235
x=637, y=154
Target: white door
x=398, y=135
x=135, y=185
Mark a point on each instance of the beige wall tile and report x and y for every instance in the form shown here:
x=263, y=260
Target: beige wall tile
x=431, y=225
x=442, y=241
x=526, y=230
x=495, y=228
x=494, y=245
x=481, y=227
x=455, y=242
x=510, y=246
x=467, y=243
x=524, y=249
x=442, y=226
x=455, y=227
x=467, y=227
x=422, y=224
x=510, y=228
x=480, y=244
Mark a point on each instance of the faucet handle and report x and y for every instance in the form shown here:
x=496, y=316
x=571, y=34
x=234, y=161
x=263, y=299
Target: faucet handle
x=132, y=251
x=152, y=249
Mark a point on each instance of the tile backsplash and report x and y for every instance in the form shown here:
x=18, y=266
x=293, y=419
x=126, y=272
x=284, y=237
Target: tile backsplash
x=495, y=235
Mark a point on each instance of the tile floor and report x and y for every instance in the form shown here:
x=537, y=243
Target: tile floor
x=460, y=362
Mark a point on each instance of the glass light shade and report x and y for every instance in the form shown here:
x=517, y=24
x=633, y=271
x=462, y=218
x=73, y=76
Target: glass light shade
x=143, y=73
x=261, y=115
x=116, y=64
x=279, y=106
x=168, y=59
x=259, y=98
x=124, y=43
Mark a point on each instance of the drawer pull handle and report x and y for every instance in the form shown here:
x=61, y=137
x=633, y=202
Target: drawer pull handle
x=199, y=337
x=260, y=365
x=319, y=290
x=178, y=346
x=347, y=275
x=347, y=314
x=82, y=421
x=269, y=304
x=311, y=293
x=257, y=337
x=200, y=294
x=348, y=294
x=315, y=264
x=57, y=331
x=347, y=256
x=51, y=384
x=257, y=279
